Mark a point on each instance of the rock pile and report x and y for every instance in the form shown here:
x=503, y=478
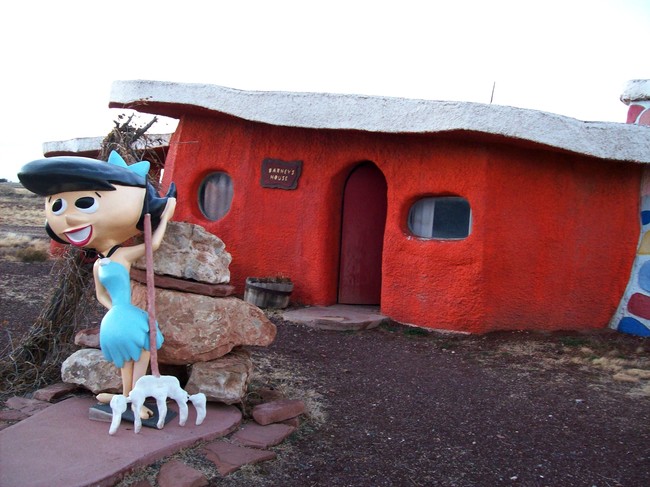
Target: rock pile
x=205, y=327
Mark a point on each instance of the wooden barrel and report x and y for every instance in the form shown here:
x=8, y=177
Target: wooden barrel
x=266, y=292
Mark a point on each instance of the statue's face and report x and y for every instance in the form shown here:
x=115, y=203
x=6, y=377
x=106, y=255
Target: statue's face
x=95, y=219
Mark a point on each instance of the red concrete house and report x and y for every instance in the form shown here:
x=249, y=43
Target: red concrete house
x=448, y=215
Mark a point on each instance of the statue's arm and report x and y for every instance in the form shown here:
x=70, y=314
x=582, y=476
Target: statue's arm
x=100, y=291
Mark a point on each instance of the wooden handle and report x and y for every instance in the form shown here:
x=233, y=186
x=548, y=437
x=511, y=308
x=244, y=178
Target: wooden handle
x=151, y=296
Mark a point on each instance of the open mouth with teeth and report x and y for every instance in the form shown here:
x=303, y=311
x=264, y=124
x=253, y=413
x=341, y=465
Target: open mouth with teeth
x=81, y=236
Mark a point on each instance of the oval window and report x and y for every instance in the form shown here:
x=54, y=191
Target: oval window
x=444, y=217
x=215, y=195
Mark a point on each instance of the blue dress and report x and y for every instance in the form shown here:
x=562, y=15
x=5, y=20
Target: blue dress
x=124, y=330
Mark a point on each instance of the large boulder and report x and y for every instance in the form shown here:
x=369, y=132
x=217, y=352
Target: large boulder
x=203, y=328
x=190, y=252
x=88, y=368
x=224, y=379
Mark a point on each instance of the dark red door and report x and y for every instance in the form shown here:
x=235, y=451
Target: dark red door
x=362, y=236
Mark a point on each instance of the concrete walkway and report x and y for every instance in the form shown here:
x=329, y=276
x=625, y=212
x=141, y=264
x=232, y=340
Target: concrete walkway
x=341, y=317
x=59, y=446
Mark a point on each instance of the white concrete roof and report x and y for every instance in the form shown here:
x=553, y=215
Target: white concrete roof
x=607, y=140
x=636, y=90
x=91, y=144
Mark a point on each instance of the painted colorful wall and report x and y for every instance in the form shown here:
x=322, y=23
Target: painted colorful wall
x=633, y=313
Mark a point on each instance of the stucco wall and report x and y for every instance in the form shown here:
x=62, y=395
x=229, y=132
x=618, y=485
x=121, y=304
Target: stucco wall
x=560, y=233
x=551, y=245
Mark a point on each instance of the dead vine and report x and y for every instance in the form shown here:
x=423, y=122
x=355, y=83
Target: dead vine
x=133, y=144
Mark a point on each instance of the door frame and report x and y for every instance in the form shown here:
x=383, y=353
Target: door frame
x=362, y=235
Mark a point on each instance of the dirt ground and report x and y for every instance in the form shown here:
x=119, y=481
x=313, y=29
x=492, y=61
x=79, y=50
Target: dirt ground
x=397, y=406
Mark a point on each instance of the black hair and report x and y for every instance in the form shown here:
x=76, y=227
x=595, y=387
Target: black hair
x=62, y=174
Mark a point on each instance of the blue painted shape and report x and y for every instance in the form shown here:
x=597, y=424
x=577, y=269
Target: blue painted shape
x=633, y=326
x=645, y=217
x=115, y=159
x=644, y=277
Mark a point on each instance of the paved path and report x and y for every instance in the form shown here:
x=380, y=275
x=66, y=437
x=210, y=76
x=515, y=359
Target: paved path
x=341, y=317
x=59, y=446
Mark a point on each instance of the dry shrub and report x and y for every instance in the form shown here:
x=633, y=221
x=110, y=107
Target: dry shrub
x=608, y=359
x=643, y=390
x=23, y=248
x=37, y=360
x=25, y=208
x=12, y=239
x=625, y=377
x=32, y=255
x=643, y=374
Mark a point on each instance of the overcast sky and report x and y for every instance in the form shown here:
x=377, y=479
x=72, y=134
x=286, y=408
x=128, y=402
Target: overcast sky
x=570, y=57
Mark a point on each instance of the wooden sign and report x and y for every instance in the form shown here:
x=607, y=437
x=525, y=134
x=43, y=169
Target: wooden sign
x=280, y=174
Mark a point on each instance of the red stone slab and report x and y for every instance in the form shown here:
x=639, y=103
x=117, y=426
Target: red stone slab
x=26, y=405
x=13, y=415
x=176, y=474
x=257, y=436
x=228, y=457
x=278, y=411
x=54, y=392
x=175, y=284
x=61, y=446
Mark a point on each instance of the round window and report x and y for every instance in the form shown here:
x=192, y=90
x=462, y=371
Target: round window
x=215, y=195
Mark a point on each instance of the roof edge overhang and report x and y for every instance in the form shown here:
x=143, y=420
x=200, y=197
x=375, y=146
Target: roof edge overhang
x=604, y=140
x=91, y=145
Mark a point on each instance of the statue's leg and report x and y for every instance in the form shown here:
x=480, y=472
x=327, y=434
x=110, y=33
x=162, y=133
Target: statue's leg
x=118, y=406
x=137, y=369
x=136, y=405
x=181, y=400
x=199, y=401
x=140, y=367
x=127, y=384
x=104, y=397
x=161, y=402
x=131, y=371
x=127, y=377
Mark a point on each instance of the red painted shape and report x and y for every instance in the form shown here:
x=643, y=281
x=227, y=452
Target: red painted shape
x=553, y=234
x=362, y=236
x=644, y=119
x=639, y=305
x=633, y=113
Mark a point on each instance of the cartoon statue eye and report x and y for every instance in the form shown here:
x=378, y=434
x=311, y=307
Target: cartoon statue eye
x=87, y=204
x=59, y=206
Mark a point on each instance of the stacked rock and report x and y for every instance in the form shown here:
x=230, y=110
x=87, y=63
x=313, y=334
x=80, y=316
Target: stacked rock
x=206, y=329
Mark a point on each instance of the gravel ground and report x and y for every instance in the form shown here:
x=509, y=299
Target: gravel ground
x=411, y=408
x=398, y=406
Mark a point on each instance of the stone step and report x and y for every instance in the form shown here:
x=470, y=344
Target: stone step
x=229, y=457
